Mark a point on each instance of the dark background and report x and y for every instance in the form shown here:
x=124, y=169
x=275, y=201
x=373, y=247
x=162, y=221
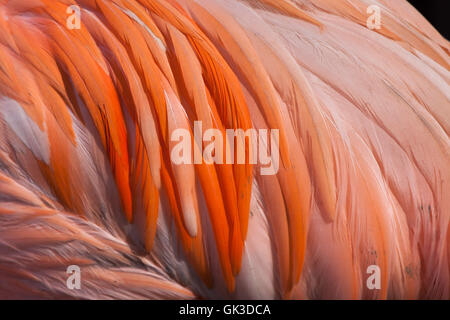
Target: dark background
x=437, y=12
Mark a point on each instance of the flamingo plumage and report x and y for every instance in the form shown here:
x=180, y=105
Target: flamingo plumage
x=86, y=178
